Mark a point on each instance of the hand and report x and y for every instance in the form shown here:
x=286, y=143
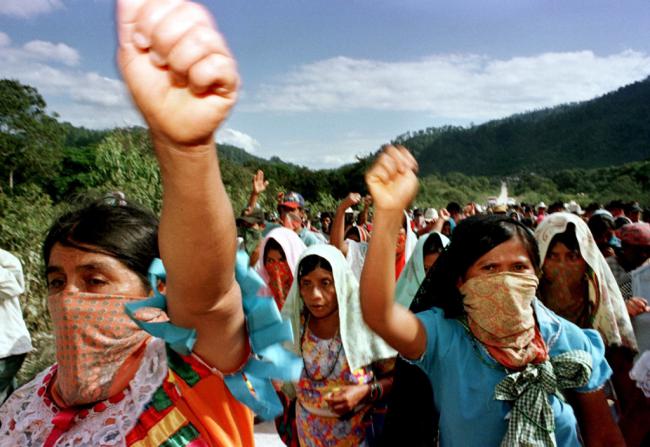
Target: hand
x=347, y=398
x=391, y=179
x=352, y=199
x=177, y=68
x=636, y=306
x=259, y=184
x=444, y=214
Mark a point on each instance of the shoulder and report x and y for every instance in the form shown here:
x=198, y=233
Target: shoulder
x=441, y=331
x=8, y=260
x=563, y=336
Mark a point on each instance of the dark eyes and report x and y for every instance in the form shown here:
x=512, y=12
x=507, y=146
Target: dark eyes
x=55, y=284
x=92, y=282
x=97, y=282
x=494, y=268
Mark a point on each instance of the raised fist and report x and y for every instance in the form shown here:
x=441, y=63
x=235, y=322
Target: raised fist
x=177, y=68
x=391, y=179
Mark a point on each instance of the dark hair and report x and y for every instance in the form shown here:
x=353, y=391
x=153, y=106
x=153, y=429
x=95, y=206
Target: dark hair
x=600, y=223
x=432, y=245
x=272, y=244
x=593, y=206
x=621, y=221
x=311, y=263
x=472, y=238
x=353, y=230
x=125, y=232
x=454, y=207
x=567, y=238
x=556, y=207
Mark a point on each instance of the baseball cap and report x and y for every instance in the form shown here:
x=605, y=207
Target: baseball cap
x=255, y=217
x=293, y=200
x=636, y=233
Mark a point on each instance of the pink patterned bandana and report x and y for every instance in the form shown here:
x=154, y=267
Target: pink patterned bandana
x=94, y=337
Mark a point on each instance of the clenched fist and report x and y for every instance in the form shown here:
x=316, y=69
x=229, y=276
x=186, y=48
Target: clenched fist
x=391, y=180
x=177, y=68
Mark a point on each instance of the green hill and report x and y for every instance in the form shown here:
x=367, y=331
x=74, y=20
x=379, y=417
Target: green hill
x=608, y=130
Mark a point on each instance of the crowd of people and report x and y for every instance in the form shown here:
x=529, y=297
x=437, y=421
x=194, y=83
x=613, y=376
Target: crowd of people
x=504, y=324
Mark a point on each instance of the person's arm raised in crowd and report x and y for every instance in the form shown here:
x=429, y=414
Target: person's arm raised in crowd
x=393, y=185
x=259, y=186
x=437, y=224
x=183, y=79
x=363, y=216
x=337, y=232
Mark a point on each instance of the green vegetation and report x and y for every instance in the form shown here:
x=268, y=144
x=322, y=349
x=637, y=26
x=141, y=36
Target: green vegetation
x=47, y=167
x=605, y=131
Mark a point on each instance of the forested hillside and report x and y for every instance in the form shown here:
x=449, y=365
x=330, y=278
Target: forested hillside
x=609, y=130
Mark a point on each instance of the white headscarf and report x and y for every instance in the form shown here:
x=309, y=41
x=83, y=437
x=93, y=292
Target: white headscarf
x=611, y=318
x=361, y=346
x=413, y=274
x=292, y=246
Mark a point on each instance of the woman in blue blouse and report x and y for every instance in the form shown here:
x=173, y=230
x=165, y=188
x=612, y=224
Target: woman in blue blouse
x=504, y=369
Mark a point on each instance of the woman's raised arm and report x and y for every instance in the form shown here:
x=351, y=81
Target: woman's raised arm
x=393, y=185
x=183, y=78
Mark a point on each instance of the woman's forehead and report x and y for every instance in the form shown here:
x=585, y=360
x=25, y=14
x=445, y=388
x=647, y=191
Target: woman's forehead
x=63, y=253
x=513, y=249
x=318, y=272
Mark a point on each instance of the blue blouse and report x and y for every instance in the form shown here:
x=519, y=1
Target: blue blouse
x=463, y=376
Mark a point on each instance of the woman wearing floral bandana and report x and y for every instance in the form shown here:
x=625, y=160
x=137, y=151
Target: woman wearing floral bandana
x=113, y=383
x=577, y=284
x=504, y=369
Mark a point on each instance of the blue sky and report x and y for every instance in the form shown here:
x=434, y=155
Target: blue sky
x=325, y=80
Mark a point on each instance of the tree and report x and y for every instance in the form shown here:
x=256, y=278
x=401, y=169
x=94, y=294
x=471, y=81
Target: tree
x=30, y=139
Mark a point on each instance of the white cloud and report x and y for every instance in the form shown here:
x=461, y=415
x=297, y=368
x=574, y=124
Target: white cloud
x=57, y=52
x=237, y=138
x=456, y=86
x=28, y=8
x=334, y=152
x=81, y=97
x=4, y=40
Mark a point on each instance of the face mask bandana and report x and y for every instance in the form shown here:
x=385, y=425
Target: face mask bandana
x=280, y=279
x=94, y=337
x=292, y=222
x=500, y=315
x=564, y=290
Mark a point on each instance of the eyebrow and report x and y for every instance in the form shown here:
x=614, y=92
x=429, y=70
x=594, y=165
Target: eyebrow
x=89, y=266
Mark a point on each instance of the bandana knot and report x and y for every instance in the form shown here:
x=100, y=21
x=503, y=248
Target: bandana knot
x=531, y=420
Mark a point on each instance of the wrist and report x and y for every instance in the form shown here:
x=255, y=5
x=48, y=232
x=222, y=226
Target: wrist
x=165, y=145
x=388, y=219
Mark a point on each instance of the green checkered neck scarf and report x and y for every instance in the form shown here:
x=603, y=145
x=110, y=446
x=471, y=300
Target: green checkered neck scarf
x=531, y=421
